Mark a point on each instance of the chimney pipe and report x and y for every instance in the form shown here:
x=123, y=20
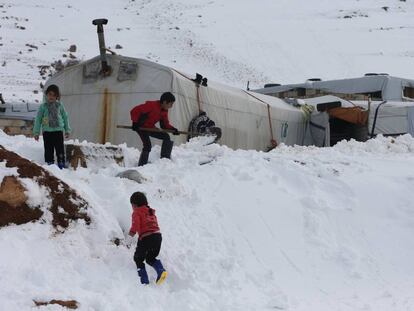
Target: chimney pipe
x=106, y=69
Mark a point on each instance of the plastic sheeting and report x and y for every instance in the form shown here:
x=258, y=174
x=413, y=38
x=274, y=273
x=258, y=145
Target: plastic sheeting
x=411, y=121
x=392, y=118
x=390, y=87
x=319, y=129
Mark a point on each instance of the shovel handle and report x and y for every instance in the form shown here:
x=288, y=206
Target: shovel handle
x=153, y=129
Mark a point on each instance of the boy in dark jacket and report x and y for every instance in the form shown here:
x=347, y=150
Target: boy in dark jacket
x=145, y=223
x=53, y=120
x=146, y=116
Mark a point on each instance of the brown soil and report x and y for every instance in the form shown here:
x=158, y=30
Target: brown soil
x=66, y=204
x=12, y=191
x=70, y=304
x=18, y=215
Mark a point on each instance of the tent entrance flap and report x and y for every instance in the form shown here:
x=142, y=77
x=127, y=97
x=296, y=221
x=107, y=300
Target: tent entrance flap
x=319, y=129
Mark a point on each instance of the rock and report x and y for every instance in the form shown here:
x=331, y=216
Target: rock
x=72, y=48
x=132, y=175
x=12, y=192
x=13, y=204
x=32, y=46
x=118, y=46
x=58, y=65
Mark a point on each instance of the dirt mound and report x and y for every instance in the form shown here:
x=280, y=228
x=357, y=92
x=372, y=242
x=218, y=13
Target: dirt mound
x=66, y=204
x=13, y=203
x=70, y=304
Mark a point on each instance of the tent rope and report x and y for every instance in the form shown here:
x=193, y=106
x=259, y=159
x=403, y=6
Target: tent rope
x=198, y=98
x=273, y=141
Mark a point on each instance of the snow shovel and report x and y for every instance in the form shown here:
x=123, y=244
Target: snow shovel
x=216, y=134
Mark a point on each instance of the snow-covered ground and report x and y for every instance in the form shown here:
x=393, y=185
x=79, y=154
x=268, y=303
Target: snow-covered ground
x=232, y=41
x=298, y=228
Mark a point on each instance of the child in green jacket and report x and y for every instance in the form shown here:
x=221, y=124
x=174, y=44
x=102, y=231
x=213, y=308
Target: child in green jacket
x=53, y=120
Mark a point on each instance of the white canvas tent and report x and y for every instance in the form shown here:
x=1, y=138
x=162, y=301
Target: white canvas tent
x=97, y=104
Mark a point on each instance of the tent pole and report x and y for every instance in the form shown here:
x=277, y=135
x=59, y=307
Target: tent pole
x=272, y=140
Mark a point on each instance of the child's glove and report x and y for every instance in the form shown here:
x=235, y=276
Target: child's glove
x=175, y=131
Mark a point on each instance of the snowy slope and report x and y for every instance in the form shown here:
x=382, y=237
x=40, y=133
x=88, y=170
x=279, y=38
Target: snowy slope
x=229, y=41
x=299, y=228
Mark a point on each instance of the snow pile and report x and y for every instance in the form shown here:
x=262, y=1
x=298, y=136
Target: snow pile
x=298, y=228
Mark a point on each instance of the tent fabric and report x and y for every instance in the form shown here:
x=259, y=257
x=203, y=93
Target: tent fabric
x=410, y=121
x=96, y=105
x=390, y=87
x=393, y=117
x=319, y=129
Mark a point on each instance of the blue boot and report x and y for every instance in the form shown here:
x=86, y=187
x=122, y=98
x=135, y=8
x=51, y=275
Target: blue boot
x=161, y=273
x=61, y=165
x=143, y=276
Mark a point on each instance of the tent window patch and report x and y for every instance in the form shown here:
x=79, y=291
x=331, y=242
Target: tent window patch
x=91, y=71
x=408, y=92
x=127, y=71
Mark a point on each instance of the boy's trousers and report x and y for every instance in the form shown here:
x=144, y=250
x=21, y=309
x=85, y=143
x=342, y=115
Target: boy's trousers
x=147, y=250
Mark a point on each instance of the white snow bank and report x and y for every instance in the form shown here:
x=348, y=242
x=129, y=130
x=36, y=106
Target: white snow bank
x=298, y=228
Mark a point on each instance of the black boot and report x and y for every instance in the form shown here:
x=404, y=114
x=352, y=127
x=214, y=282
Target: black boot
x=143, y=159
x=166, y=148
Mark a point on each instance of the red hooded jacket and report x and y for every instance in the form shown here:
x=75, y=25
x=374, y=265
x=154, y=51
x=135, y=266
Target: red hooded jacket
x=144, y=222
x=149, y=113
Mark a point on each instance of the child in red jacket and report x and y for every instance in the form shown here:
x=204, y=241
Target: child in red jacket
x=147, y=115
x=145, y=223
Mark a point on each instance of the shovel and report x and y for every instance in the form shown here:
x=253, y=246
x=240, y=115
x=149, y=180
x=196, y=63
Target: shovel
x=216, y=134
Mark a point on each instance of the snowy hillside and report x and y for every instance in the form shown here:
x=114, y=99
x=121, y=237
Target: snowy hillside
x=295, y=229
x=229, y=41
x=298, y=228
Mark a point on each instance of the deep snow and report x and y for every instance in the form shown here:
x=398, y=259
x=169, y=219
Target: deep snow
x=298, y=228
